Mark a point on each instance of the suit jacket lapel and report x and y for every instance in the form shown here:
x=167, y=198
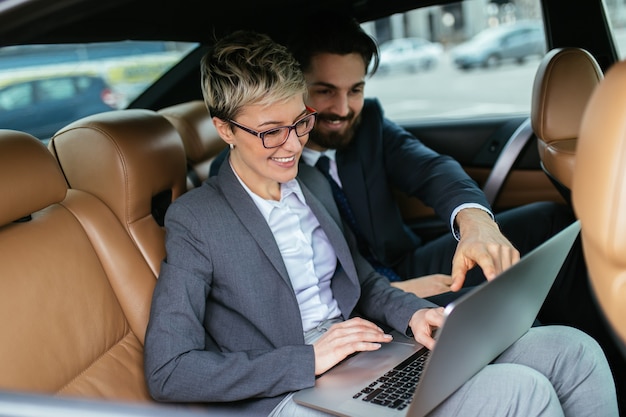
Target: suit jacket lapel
x=360, y=165
x=319, y=198
x=249, y=215
x=313, y=184
x=351, y=172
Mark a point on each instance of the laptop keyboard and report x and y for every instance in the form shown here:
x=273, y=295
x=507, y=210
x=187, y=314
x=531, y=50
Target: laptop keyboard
x=395, y=389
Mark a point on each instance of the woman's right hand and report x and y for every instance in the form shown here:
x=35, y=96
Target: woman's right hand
x=424, y=322
x=345, y=338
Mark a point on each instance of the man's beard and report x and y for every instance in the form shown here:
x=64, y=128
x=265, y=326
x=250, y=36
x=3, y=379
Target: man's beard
x=335, y=140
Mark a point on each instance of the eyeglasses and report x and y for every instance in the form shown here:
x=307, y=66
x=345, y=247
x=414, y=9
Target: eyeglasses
x=276, y=136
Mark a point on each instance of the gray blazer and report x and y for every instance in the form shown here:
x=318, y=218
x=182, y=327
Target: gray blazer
x=225, y=325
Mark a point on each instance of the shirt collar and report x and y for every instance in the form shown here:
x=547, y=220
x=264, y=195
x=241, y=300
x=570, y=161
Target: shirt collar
x=266, y=206
x=311, y=156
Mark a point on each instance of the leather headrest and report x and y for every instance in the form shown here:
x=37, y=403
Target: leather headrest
x=30, y=178
x=125, y=158
x=599, y=190
x=194, y=123
x=564, y=81
x=599, y=194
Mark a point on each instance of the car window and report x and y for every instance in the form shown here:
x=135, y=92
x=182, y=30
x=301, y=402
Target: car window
x=16, y=97
x=96, y=77
x=83, y=83
x=55, y=89
x=475, y=64
x=616, y=14
x=477, y=60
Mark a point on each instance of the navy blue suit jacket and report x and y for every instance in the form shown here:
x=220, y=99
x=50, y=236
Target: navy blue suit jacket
x=383, y=157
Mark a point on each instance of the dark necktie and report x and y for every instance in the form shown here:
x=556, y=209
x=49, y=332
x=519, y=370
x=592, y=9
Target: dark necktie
x=323, y=164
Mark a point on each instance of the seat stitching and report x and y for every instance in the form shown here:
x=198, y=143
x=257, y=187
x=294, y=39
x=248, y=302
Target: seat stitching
x=97, y=360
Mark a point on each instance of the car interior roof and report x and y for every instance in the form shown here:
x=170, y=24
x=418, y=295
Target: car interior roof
x=80, y=21
x=189, y=20
x=70, y=21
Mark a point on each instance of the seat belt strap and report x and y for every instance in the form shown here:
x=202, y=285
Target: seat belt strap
x=509, y=155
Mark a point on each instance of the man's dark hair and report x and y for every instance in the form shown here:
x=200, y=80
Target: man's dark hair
x=330, y=32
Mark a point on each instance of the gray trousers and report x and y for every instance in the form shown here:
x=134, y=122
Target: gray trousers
x=550, y=371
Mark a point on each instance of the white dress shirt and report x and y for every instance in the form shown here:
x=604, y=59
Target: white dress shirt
x=308, y=255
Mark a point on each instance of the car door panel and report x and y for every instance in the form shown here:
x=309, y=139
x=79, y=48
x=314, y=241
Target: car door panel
x=477, y=144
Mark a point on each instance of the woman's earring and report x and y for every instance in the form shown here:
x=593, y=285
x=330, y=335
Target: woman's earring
x=232, y=145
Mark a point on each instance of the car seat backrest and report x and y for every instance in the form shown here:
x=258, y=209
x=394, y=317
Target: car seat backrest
x=599, y=194
x=563, y=84
x=75, y=292
x=134, y=161
x=202, y=143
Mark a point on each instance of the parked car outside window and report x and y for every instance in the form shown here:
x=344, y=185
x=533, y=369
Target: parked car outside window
x=45, y=87
x=41, y=106
x=510, y=42
x=409, y=54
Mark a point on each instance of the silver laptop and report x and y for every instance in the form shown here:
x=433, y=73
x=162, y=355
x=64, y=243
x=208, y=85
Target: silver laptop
x=478, y=327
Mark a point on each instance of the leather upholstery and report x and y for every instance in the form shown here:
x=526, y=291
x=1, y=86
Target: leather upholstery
x=202, y=143
x=75, y=292
x=564, y=81
x=134, y=161
x=599, y=194
x=23, y=168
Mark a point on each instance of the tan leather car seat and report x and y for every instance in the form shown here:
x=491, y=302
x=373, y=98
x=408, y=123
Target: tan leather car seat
x=75, y=292
x=202, y=143
x=134, y=161
x=599, y=194
x=563, y=84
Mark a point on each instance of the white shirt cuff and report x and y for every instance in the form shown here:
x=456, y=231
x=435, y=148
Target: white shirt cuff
x=455, y=230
